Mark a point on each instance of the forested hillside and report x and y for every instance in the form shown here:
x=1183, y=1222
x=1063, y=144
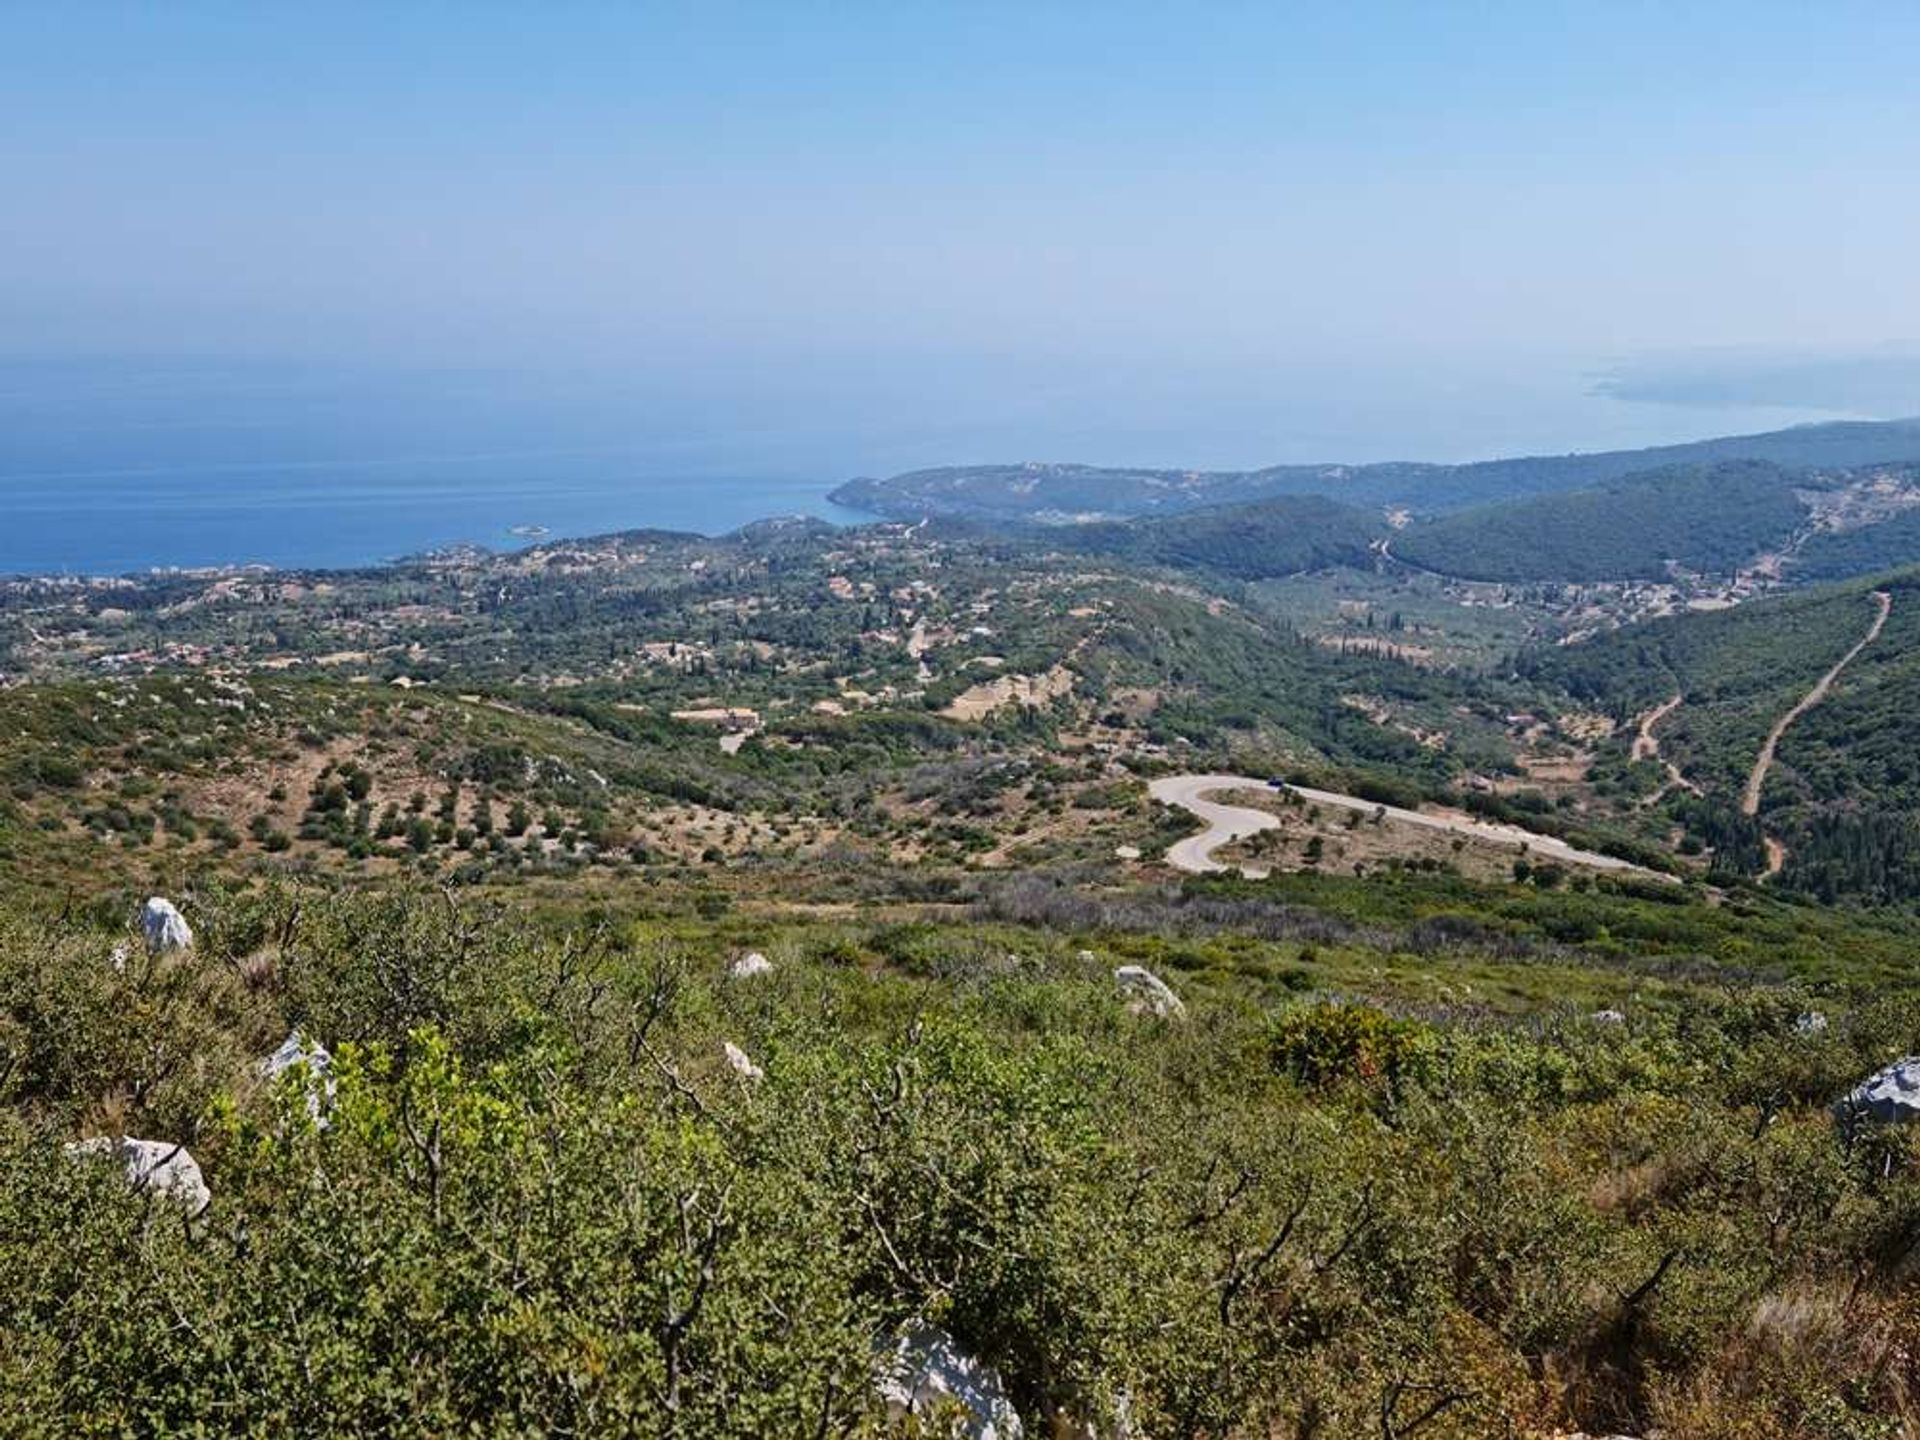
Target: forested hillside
x=1711, y=518
x=724, y=953
x=1753, y=656
x=1257, y=541
x=1845, y=787
x=1838, y=555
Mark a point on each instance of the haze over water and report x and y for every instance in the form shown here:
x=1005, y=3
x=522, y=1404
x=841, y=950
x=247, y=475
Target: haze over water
x=113, y=467
x=688, y=265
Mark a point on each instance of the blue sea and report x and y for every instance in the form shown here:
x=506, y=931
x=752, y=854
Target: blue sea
x=116, y=466
x=113, y=467
x=343, y=514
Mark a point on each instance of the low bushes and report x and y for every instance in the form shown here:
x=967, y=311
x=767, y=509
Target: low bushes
x=546, y=1203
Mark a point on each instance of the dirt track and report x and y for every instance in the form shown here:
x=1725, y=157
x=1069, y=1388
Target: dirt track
x=1750, y=801
x=1646, y=746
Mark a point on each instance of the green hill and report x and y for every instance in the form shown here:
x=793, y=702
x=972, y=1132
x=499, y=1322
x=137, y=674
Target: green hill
x=1257, y=541
x=1432, y=1144
x=1838, y=555
x=1710, y=518
x=1845, y=786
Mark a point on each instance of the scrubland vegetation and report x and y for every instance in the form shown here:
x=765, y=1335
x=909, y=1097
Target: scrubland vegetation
x=544, y=1202
x=1443, y=1139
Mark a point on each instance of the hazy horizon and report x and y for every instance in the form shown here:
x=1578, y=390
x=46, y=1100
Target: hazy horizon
x=753, y=242
x=121, y=465
x=1235, y=185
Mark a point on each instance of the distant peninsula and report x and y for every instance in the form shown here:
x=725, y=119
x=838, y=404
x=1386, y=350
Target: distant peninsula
x=1067, y=494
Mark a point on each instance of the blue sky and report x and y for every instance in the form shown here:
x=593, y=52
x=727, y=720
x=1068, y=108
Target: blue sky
x=1158, y=200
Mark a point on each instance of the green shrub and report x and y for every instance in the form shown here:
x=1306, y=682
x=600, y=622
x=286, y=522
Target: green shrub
x=1327, y=1045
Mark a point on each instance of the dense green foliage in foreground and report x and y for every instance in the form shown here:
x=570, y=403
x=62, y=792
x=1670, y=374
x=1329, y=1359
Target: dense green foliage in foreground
x=1706, y=518
x=546, y=1205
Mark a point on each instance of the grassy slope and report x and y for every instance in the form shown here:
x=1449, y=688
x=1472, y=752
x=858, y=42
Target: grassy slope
x=958, y=1117
x=166, y=775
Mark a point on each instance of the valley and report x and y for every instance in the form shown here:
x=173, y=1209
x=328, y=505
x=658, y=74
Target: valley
x=943, y=695
x=954, y=722
x=1030, y=926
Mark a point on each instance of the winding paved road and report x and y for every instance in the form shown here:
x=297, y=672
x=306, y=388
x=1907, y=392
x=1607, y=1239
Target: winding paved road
x=1227, y=823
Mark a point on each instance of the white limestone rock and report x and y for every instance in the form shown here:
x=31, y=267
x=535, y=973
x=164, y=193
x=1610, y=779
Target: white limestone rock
x=1148, y=994
x=297, y=1049
x=926, y=1375
x=1813, y=1022
x=164, y=927
x=742, y=1063
x=157, y=1165
x=752, y=964
x=1887, y=1096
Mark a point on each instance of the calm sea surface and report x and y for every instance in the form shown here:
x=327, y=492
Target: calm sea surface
x=119, y=466
x=337, y=515
x=110, y=468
